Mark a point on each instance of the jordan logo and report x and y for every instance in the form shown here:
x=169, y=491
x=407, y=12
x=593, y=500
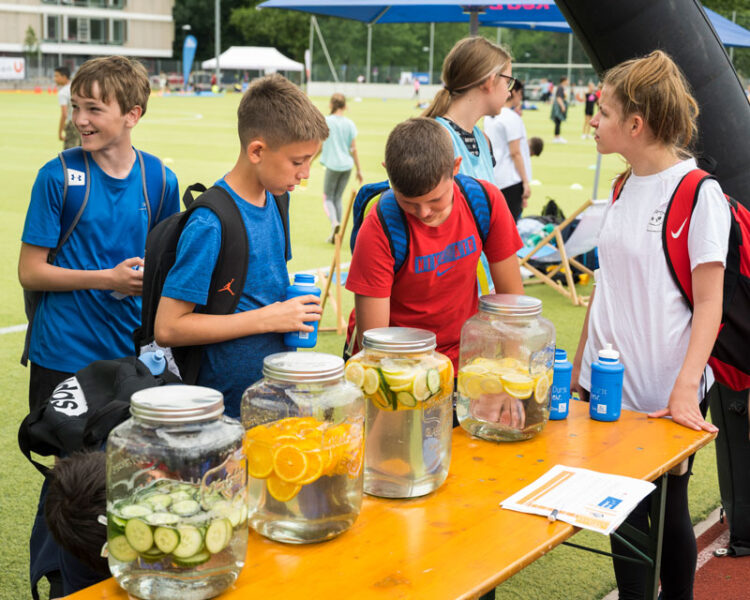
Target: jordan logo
x=227, y=287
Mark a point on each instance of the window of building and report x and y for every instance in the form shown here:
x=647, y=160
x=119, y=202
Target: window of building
x=99, y=31
x=119, y=31
x=52, y=28
x=89, y=3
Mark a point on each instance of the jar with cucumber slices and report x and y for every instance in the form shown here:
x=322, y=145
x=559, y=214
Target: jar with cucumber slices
x=505, y=369
x=408, y=388
x=304, y=442
x=176, y=495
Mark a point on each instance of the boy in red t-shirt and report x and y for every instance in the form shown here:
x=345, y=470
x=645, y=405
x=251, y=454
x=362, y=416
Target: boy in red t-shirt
x=436, y=289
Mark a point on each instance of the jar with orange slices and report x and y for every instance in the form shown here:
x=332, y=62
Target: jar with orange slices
x=304, y=442
x=408, y=389
x=505, y=369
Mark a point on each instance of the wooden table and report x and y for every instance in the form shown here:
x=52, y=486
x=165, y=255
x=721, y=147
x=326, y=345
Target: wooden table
x=457, y=542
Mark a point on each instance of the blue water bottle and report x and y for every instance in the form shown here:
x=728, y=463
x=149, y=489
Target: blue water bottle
x=303, y=285
x=606, y=386
x=155, y=361
x=560, y=394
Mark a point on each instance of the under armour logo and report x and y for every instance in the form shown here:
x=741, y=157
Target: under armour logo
x=227, y=287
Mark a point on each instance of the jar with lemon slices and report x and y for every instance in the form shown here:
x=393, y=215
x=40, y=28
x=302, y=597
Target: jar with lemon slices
x=305, y=447
x=505, y=369
x=408, y=389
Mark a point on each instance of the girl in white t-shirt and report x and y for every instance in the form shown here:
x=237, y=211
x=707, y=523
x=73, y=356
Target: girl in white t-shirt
x=648, y=116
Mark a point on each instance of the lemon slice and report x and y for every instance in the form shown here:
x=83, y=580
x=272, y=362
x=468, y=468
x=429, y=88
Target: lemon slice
x=473, y=386
x=475, y=368
x=371, y=381
x=355, y=373
x=491, y=385
x=518, y=385
x=420, y=388
x=541, y=388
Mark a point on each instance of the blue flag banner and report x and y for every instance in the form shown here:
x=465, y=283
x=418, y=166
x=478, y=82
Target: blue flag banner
x=188, y=54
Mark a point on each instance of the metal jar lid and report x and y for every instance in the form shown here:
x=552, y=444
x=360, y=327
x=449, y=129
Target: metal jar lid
x=303, y=367
x=399, y=339
x=511, y=305
x=171, y=404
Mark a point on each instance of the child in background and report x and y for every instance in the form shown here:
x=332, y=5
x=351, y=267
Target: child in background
x=648, y=116
x=280, y=132
x=536, y=145
x=66, y=131
x=588, y=110
x=338, y=156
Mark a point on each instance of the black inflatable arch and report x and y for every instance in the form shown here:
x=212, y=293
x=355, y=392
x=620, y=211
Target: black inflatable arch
x=616, y=30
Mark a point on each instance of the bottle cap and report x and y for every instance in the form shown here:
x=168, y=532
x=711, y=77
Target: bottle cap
x=399, y=339
x=560, y=355
x=155, y=361
x=609, y=353
x=511, y=305
x=172, y=404
x=304, y=278
x=303, y=367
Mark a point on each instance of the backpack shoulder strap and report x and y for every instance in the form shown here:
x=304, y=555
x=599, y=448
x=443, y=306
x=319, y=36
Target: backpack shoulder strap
x=282, y=203
x=395, y=227
x=676, y=227
x=76, y=188
x=154, y=178
x=230, y=271
x=362, y=201
x=619, y=184
x=479, y=203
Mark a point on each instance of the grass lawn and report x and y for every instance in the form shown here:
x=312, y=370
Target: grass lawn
x=197, y=138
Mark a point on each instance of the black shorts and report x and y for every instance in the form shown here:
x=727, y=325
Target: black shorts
x=42, y=382
x=514, y=198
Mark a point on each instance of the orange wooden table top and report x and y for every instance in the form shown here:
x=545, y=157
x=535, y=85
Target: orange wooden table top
x=455, y=542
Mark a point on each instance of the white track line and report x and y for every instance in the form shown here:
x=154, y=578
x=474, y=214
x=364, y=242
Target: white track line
x=13, y=329
x=708, y=552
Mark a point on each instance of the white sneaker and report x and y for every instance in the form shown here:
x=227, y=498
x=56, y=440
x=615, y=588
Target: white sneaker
x=584, y=136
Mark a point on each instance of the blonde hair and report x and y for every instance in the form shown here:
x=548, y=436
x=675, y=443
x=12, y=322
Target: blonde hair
x=469, y=64
x=338, y=101
x=276, y=110
x=655, y=88
x=418, y=156
x=118, y=77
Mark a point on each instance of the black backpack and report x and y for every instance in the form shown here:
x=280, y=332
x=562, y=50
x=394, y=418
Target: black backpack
x=227, y=281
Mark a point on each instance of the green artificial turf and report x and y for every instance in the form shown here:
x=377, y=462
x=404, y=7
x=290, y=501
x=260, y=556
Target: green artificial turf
x=197, y=138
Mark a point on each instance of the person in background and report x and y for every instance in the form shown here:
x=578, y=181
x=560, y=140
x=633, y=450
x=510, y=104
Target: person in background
x=338, y=156
x=559, y=110
x=536, y=145
x=512, y=171
x=66, y=131
x=648, y=115
x=588, y=111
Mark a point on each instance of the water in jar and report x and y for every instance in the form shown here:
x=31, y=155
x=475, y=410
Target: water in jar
x=409, y=422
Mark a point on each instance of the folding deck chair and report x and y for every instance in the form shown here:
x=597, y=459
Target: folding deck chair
x=583, y=239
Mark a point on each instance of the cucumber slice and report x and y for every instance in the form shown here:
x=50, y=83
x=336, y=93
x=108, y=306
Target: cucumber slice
x=159, y=502
x=433, y=381
x=406, y=399
x=152, y=556
x=185, y=508
x=162, y=518
x=115, y=521
x=191, y=542
x=217, y=535
x=139, y=535
x=181, y=495
x=194, y=560
x=166, y=539
x=132, y=511
x=230, y=511
x=121, y=550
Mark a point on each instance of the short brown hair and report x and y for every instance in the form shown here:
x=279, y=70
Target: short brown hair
x=276, y=110
x=76, y=496
x=338, y=101
x=418, y=156
x=123, y=78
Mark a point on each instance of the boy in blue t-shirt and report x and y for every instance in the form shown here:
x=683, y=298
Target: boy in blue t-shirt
x=280, y=132
x=91, y=303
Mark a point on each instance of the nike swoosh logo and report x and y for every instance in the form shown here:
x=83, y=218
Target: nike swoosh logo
x=439, y=273
x=676, y=234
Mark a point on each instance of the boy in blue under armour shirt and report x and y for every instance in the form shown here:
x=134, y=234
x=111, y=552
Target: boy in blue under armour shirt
x=91, y=302
x=280, y=132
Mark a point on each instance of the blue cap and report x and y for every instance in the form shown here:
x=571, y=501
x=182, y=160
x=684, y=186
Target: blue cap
x=155, y=361
x=560, y=355
x=304, y=278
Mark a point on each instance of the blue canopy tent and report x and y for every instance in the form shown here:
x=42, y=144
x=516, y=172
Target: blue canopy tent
x=543, y=16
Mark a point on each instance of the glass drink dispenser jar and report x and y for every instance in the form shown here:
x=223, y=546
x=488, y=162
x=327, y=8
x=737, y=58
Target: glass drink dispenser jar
x=505, y=369
x=408, y=389
x=176, y=495
x=305, y=442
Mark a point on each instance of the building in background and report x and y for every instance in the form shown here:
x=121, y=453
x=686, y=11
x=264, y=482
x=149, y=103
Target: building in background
x=69, y=32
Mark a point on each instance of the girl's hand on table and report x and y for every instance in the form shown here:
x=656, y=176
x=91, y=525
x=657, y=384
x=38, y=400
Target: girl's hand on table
x=683, y=408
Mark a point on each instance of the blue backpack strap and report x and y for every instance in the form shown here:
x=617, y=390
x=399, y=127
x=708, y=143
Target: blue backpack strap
x=154, y=177
x=76, y=188
x=393, y=221
x=479, y=203
x=365, y=194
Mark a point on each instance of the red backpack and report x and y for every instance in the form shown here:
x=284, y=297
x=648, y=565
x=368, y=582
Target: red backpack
x=730, y=357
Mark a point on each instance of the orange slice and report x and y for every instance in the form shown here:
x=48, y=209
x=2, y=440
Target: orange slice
x=259, y=459
x=289, y=463
x=314, y=467
x=283, y=491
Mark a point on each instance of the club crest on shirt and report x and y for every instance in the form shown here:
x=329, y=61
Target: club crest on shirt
x=656, y=221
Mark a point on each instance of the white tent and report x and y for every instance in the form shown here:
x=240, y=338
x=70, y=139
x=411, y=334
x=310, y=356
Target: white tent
x=253, y=58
